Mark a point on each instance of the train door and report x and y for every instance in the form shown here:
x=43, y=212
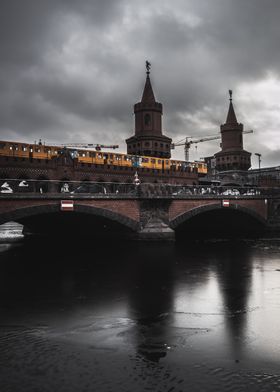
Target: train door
x=135, y=161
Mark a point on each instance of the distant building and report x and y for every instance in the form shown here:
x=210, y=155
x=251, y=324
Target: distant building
x=148, y=139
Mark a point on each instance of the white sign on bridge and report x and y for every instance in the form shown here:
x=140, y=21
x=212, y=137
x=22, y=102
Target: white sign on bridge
x=67, y=205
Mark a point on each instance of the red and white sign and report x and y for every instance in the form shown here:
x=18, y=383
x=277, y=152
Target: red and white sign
x=67, y=205
x=225, y=203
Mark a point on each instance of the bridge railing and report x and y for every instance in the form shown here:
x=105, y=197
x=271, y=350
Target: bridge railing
x=105, y=189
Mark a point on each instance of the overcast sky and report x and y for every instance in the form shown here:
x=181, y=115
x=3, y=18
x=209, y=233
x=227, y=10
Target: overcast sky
x=71, y=71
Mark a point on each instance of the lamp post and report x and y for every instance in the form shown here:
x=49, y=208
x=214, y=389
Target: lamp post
x=259, y=158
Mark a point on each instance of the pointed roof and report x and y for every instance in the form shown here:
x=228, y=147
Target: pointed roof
x=231, y=117
x=148, y=94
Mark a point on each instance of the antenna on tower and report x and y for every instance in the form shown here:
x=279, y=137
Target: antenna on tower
x=148, y=67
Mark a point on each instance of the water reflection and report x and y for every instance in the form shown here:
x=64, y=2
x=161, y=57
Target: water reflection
x=151, y=299
x=149, y=312
x=234, y=274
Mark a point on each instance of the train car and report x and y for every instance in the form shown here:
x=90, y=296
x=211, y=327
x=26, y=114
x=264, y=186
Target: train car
x=43, y=151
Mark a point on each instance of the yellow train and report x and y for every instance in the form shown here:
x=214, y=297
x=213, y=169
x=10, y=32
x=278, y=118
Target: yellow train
x=43, y=151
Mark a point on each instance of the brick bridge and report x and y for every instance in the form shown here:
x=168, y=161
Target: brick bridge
x=149, y=212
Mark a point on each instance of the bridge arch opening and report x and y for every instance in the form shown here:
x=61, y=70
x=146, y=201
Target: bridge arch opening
x=217, y=222
x=84, y=222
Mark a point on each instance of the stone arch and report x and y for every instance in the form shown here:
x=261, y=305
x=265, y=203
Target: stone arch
x=19, y=214
x=184, y=217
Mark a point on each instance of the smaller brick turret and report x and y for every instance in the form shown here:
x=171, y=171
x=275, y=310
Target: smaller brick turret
x=232, y=156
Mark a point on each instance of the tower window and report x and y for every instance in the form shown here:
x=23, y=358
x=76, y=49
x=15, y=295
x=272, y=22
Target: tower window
x=147, y=119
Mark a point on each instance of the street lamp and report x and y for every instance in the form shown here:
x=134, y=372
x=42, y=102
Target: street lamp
x=259, y=158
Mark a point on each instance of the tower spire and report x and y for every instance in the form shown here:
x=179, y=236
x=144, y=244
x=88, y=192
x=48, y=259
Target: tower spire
x=231, y=117
x=148, y=94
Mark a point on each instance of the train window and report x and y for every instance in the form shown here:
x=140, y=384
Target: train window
x=147, y=144
x=161, y=144
x=167, y=146
x=153, y=160
x=111, y=156
x=92, y=154
x=156, y=144
x=37, y=150
x=159, y=161
x=31, y=149
x=2, y=145
x=11, y=147
x=167, y=162
x=23, y=148
x=99, y=156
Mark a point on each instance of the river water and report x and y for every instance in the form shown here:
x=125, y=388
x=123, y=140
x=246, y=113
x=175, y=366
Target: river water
x=136, y=316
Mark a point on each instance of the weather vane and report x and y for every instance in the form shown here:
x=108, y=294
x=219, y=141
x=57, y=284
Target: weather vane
x=148, y=66
x=230, y=95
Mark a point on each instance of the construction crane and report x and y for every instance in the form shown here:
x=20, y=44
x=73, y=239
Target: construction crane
x=187, y=143
x=94, y=146
x=97, y=147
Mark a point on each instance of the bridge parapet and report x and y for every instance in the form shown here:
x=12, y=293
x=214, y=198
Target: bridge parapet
x=76, y=189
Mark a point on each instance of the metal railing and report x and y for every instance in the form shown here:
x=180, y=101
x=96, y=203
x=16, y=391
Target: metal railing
x=106, y=189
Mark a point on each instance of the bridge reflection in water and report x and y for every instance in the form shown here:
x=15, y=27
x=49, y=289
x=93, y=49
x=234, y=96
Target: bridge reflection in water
x=158, y=316
x=145, y=211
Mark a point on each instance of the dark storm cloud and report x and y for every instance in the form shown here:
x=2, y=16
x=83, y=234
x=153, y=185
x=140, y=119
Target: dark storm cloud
x=72, y=69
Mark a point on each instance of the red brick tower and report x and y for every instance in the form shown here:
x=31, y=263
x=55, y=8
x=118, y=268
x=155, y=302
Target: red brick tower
x=148, y=139
x=232, y=156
